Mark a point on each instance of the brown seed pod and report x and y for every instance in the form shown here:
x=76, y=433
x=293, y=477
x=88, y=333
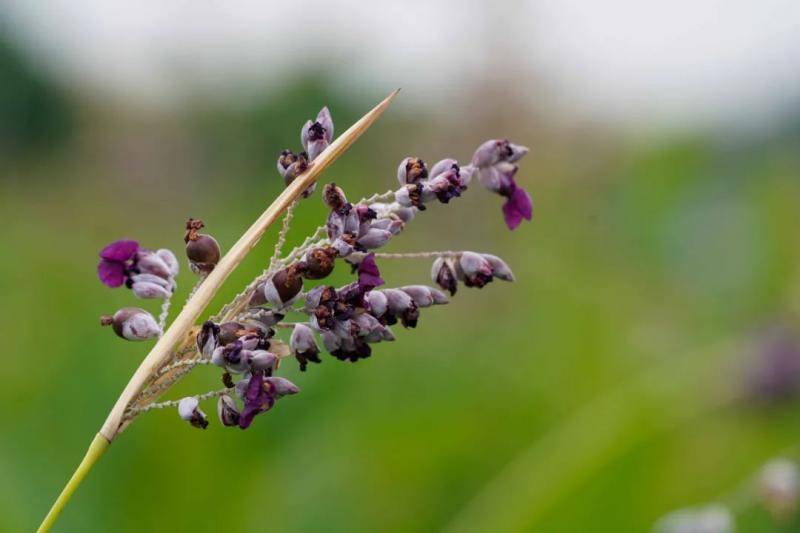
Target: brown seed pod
x=201, y=249
x=319, y=263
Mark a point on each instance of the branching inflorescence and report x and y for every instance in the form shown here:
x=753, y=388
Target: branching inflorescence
x=244, y=339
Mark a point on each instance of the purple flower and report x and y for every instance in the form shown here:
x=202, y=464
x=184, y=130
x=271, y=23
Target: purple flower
x=518, y=206
x=369, y=276
x=115, y=261
x=258, y=399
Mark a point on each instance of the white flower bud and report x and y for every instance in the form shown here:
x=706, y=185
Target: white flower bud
x=133, y=324
x=500, y=269
x=189, y=410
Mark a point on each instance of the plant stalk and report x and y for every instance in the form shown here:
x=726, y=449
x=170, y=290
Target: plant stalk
x=189, y=315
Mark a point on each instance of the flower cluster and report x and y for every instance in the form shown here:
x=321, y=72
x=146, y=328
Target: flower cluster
x=148, y=273
x=346, y=321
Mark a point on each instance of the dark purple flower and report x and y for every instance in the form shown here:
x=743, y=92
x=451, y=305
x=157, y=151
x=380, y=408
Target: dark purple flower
x=518, y=206
x=258, y=399
x=115, y=261
x=369, y=276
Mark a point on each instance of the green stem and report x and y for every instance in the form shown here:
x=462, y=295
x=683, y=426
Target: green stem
x=95, y=451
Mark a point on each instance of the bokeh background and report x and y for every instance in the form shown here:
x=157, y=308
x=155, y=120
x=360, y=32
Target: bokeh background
x=646, y=359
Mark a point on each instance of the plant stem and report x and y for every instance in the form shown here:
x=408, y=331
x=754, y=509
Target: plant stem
x=96, y=449
x=186, y=319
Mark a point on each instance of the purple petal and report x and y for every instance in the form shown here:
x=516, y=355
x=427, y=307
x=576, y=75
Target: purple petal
x=517, y=206
x=122, y=250
x=369, y=276
x=256, y=400
x=111, y=273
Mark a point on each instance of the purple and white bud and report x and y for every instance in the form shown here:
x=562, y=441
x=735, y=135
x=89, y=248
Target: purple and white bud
x=208, y=339
x=147, y=290
x=283, y=287
x=330, y=340
x=281, y=386
x=424, y=296
x=304, y=346
x=477, y=271
x=261, y=360
x=443, y=166
x=227, y=411
x=411, y=170
x=780, y=488
x=170, y=260
x=232, y=357
x=371, y=329
x=374, y=238
x=133, y=324
x=149, y=262
x=378, y=303
x=334, y=197
x=500, y=269
x=412, y=195
x=400, y=305
x=317, y=135
x=342, y=247
x=496, y=151
x=189, y=410
x=445, y=274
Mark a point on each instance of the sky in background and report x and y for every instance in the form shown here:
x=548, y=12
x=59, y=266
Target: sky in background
x=685, y=62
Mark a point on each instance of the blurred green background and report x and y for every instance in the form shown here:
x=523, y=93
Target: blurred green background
x=631, y=369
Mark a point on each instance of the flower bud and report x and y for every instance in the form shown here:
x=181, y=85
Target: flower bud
x=342, y=247
x=149, y=262
x=133, y=324
x=201, y=249
x=378, y=303
x=317, y=135
x=283, y=287
x=318, y=263
x=208, y=339
x=424, y=296
x=261, y=360
x=374, y=238
x=780, y=488
x=401, y=305
x=411, y=170
x=304, y=346
x=231, y=356
x=496, y=151
x=500, y=269
x=334, y=197
x=477, y=270
x=444, y=274
x=170, y=260
x=410, y=196
x=262, y=320
x=443, y=166
x=227, y=411
x=189, y=410
x=281, y=386
x=147, y=290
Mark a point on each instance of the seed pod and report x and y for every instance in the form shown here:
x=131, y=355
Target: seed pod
x=208, y=339
x=283, y=287
x=476, y=269
x=189, y=410
x=304, y=346
x=318, y=263
x=133, y=324
x=227, y=411
x=230, y=332
x=444, y=274
x=201, y=249
x=411, y=170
